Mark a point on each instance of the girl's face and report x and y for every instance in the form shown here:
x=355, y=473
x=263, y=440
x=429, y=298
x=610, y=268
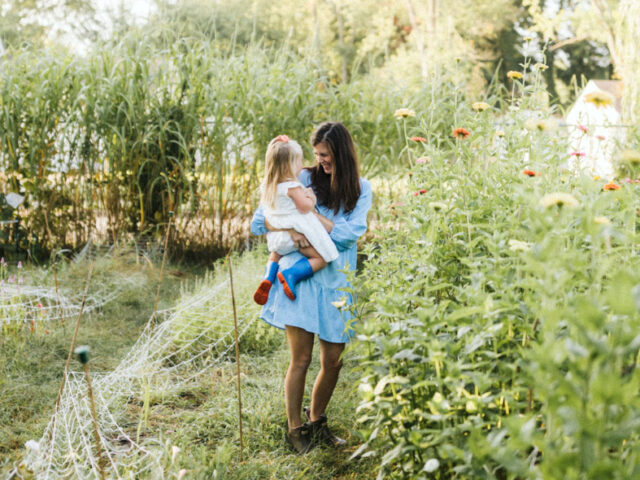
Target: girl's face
x=324, y=157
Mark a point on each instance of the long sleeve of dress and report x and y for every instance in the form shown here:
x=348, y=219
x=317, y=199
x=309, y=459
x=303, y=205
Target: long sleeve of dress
x=257, y=222
x=348, y=228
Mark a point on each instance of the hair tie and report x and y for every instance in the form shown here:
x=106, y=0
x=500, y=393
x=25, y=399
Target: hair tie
x=282, y=138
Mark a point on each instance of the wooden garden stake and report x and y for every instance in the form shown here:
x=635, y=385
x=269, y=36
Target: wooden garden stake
x=164, y=258
x=83, y=357
x=73, y=340
x=235, y=331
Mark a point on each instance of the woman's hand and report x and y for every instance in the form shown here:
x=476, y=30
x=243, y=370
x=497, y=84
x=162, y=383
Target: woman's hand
x=309, y=193
x=299, y=240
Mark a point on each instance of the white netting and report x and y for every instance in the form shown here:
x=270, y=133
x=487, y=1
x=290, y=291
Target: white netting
x=28, y=302
x=181, y=344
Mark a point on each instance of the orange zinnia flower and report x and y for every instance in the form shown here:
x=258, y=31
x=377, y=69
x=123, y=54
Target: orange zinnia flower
x=611, y=186
x=419, y=139
x=460, y=133
x=531, y=173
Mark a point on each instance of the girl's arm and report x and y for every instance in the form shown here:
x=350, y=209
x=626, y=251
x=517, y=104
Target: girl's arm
x=303, y=202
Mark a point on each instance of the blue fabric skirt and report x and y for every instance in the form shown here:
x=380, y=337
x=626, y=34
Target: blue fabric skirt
x=312, y=309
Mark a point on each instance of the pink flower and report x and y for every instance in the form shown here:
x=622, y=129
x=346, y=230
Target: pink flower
x=583, y=128
x=600, y=137
x=578, y=154
x=39, y=305
x=19, y=264
x=422, y=160
x=628, y=180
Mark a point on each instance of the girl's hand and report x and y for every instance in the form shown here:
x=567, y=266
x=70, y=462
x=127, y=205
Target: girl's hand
x=299, y=240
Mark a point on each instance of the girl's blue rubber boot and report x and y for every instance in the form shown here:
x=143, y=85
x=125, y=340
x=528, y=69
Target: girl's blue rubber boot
x=301, y=270
x=262, y=293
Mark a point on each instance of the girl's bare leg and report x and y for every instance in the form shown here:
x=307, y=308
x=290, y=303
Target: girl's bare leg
x=300, y=348
x=315, y=260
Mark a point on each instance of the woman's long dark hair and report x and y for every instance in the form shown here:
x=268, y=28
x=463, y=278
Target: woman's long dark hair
x=342, y=186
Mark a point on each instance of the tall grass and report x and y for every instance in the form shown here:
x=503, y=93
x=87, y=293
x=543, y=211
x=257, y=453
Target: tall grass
x=109, y=144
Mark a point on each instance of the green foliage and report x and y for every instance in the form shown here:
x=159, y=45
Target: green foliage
x=497, y=339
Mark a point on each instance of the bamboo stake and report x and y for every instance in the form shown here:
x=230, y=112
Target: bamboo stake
x=83, y=356
x=73, y=341
x=235, y=331
x=55, y=279
x=164, y=258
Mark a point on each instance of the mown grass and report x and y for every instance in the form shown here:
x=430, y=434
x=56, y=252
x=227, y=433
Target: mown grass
x=32, y=363
x=201, y=419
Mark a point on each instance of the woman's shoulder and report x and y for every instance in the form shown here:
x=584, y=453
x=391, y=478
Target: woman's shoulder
x=305, y=177
x=365, y=186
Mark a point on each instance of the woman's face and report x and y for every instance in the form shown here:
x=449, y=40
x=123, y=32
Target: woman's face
x=324, y=157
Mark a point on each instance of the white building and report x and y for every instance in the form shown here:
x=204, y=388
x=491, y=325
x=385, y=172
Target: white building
x=596, y=132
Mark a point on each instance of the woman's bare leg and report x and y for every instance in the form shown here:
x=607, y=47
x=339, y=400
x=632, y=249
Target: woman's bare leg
x=300, y=348
x=330, y=365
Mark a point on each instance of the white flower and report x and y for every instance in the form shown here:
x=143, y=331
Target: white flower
x=437, y=205
x=341, y=303
x=174, y=451
x=32, y=445
x=519, y=246
x=431, y=465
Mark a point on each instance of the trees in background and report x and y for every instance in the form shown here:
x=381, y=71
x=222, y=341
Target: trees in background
x=407, y=41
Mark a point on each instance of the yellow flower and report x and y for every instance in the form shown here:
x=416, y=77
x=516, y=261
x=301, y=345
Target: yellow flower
x=404, y=113
x=540, y=124
x=599, y=99
x=560, y=199
x=480, y=106
x=540, y=66
x=437, y=205
x=511, y=74
x=602, y=220
x=499, y=133
x=631, y=157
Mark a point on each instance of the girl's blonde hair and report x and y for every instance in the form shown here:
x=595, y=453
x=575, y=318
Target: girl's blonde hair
x=279, y=166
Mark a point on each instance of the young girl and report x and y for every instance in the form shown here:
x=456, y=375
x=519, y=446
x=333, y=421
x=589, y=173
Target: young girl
x=289, y=206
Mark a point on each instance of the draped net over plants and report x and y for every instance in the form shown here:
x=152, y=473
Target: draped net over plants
x=179, y=345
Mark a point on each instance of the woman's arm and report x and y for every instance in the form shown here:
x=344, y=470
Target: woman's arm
x=260, y=226
x=348, y=228
x=326, y=223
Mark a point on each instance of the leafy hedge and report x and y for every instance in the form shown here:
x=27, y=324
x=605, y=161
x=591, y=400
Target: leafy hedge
x=498, y=323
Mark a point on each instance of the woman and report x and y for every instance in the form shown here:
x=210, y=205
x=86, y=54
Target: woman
x=343, y=200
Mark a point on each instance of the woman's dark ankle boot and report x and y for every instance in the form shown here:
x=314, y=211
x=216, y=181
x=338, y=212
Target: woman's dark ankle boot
x=300, y=438
x=320, y=431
